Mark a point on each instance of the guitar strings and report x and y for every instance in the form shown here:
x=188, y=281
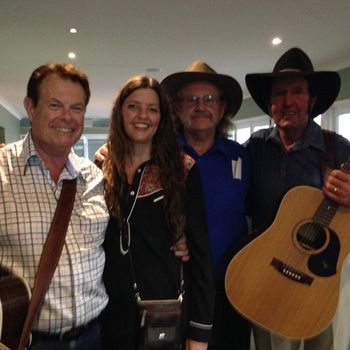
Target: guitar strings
x=316, y=229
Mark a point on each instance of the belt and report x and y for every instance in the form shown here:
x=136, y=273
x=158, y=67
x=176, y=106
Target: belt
x=73, y=333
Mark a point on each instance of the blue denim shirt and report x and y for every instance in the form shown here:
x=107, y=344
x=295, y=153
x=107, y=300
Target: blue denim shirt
x=274, y=171
x=225, y=181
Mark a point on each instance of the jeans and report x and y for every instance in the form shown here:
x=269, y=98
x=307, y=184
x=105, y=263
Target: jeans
x=268, y=341
x=89, y=340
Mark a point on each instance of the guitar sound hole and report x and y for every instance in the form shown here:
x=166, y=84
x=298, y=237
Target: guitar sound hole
x=311, y=236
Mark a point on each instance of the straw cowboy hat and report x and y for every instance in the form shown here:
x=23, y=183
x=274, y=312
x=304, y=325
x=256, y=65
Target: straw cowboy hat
x=199, y=70
x=295, y=63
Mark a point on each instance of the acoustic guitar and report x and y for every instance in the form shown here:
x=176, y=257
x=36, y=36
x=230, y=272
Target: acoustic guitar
x=287, y=279
x=14, y=301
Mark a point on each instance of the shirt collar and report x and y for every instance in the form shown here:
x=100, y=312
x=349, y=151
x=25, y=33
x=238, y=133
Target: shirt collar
x=312, y=137
x=31, y=157
x=219, y=146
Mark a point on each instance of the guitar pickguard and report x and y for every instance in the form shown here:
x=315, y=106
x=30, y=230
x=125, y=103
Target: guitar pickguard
x=324, y=264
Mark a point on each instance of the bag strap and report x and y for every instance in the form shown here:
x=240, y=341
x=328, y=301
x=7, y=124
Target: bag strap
x=50, y=255
x=136, y=288
x=125, y=235
x=328, y=159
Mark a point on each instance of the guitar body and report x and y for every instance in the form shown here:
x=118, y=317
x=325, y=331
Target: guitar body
x=286, y=280
x=14, y=301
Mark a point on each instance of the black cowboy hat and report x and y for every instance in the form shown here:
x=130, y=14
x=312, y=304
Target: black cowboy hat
x=199, y=70
x=295, y=63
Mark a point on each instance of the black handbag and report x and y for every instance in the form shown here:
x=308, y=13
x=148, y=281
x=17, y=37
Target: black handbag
x=160, y=324
x=159, y=320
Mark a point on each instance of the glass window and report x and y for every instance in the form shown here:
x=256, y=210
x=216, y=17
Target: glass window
x=93, y=146
x=245, y=127
x=318, y=119
x=89, y=144
x=258, y=127
x=79, y=148
x=242, y=134
x=344, y=125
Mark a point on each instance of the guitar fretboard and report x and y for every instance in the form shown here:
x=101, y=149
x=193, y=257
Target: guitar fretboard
x=328, y=208
x=325, y=212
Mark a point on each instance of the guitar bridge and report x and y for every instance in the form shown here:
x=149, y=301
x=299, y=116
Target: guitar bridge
x=291, y=272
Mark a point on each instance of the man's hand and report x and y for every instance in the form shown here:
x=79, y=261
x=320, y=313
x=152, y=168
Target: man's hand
x=195, y=345
x=337, y=187
x=101, y=154
x=181, y=250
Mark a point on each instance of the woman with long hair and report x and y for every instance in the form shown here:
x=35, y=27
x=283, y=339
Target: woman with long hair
x=154, y=195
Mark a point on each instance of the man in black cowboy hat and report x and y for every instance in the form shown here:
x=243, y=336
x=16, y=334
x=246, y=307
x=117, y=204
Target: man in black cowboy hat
x=203, y=104
x=294, y=152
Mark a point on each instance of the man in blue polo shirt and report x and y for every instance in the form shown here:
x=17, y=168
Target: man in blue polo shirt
x=203, y=103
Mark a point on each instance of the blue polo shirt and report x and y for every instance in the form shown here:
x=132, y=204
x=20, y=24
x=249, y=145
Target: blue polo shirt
x=225, y=174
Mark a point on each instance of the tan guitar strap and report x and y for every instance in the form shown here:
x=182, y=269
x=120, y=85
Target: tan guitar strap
x=50, y=255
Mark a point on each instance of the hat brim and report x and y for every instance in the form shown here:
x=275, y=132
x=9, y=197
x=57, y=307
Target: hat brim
x=325, y=84
x=230, y=87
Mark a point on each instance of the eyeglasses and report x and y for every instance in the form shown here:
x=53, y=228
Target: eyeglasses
x=191, y=101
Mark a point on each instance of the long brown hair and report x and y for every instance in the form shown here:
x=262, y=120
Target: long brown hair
x=165, y=152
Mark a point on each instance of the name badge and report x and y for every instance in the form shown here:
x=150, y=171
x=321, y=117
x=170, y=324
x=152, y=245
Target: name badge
x=237, y=169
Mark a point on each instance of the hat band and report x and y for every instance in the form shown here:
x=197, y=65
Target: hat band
x=286, y=70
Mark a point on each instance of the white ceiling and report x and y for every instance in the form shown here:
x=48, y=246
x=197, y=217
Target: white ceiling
x=117, y=39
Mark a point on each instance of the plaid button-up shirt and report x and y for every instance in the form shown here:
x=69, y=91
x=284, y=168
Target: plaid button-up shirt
x=28, y=199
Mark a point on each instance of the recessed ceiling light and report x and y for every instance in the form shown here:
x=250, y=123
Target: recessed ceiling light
x=73, y=30
x=276, y=41
x=153, y=70
x=72, y=55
